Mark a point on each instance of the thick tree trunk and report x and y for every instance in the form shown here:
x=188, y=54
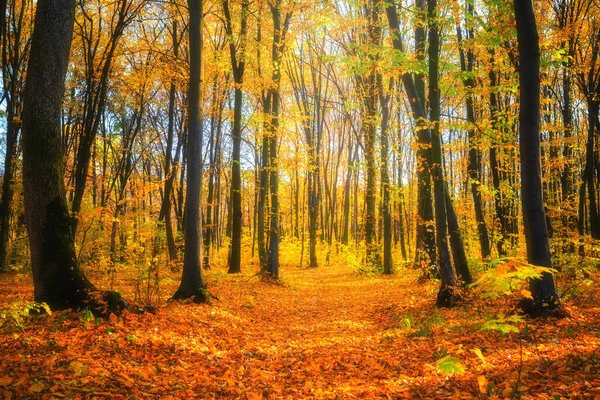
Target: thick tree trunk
x=192, y=284
x=369, y=122
x=534, y=216
x=57, y=279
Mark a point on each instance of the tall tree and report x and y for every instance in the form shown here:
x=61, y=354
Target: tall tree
x=192, y=283
x=165, y=212
x=384, y=99
x=15, y=35
x=446, y=293
x=425, y=254
x=238, y=65
x=98, y=68
x=57, y=278
x=270, y=169
x=467, y=62
x=543, y=290
x=370, y=121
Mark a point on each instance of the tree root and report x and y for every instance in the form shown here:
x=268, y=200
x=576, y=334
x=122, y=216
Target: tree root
x=550, y=308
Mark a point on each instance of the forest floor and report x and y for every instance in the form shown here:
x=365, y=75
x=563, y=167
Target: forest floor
x=322, y=333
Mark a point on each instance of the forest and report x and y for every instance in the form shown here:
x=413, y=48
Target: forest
x=329, y=199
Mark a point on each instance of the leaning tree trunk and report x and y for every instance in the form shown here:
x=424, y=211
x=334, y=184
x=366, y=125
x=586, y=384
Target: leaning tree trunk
x=57, y=278
x=192, y=284
x=534, y=216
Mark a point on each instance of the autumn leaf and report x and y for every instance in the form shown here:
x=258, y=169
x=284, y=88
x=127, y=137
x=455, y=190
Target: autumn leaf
x=450, y=365
x=78, y=368
x=479, y=355
x=527, y=294
x=5, y=380
x=483, y=384
x=36, y=387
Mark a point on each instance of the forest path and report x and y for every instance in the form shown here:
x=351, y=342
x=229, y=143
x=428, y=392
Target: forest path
x=322, y=333
x=323, y=329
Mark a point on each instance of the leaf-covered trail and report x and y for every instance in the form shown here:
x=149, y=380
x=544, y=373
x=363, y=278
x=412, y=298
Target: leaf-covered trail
x=323, y=333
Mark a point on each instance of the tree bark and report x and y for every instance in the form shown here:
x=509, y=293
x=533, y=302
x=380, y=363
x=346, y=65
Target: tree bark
x=57, y=278
x=467, y=61
x=238, y=63
x=534, y=216
x=192, y=284
x=385, y=179
x=425, y=253
x=169, y=171
x=369, y=122
x=447, y=289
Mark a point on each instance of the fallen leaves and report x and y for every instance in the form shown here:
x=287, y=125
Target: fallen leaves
x=326, y=333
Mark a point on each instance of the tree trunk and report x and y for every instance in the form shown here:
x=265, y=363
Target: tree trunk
x=446, y=293
x=192, y=284
x=385, y=179
x=425, y=254
x=169, y=171
x=467, y=61
x=12, y=131
x=369, y=123
x=500, y=207
x=238, y=64
x=57, y=279
x=534, y=216
x=456, y=243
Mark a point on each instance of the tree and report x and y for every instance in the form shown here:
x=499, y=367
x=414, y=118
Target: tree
x=543, y=290
x=192, y=283
x=165, y=212
x=467, y=62
x=14, y=32
x=370, y=99
x=57, y=278
x=269, y=179
x=238, y=64
x=98, y=68
x=425, y=254
x=446, y=293
x=384, y=99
